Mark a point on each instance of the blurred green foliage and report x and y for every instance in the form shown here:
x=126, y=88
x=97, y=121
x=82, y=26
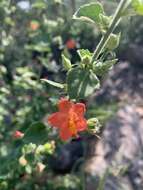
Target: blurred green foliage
x=32, y=36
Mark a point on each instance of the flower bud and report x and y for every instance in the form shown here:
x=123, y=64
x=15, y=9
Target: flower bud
x=71, y=44
x=18, y=135
x=40, y=167
x=34, y=25
x=113, y=41
x=22, y=161
x=93, y=125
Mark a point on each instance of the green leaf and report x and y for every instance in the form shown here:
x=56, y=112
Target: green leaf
x=102, y=68
x=66, y=63
x=81, y=83
x=4, y=177
x=105, y=22
x=138, y=6
x=55, y=84
x=39, y=5
x=36, y=133
x=90, y=12
x=85, y=55
x=40, y=47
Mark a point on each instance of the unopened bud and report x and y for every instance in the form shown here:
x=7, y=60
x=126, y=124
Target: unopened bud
x=22, y=161
x=40, y=167
x=113, y=41
x=94, y=125
x=18, y=135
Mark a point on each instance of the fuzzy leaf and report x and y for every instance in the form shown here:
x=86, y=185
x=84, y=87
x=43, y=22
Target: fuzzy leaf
x=36, y=133
x=81, y=83
x=102, y=68
x=90, y=12
x=66, y=63
x=55, y=84
x=83, y=53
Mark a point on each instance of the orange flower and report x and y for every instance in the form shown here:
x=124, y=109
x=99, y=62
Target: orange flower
x=34, y=25
x=18, y=135
x=70, y=119
x=71, y=44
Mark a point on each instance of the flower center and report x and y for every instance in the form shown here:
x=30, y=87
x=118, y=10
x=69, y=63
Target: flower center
x=72, y=127
x=72, y=124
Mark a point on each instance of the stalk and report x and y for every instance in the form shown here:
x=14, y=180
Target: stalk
x=114, y=23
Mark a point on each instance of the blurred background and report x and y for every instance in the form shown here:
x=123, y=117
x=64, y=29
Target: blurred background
x=33, y=35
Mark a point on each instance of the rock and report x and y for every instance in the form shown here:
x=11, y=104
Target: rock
x=123, y=83
x=134, y=55
x=121, y=148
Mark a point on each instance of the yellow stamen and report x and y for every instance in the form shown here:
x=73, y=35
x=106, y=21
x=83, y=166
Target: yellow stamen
x=72, y=126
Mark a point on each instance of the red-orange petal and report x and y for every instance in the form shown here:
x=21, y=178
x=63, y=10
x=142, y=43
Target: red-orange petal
x=65, y=133
x=57, y=119
x=64, y=105
x=79, y=108
x=81, y=124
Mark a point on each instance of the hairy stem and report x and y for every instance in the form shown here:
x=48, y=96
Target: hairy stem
x=115, y=21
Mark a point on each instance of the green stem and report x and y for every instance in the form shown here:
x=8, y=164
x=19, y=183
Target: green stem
x=102, y=180
x=83, y=179
x=115, y=21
